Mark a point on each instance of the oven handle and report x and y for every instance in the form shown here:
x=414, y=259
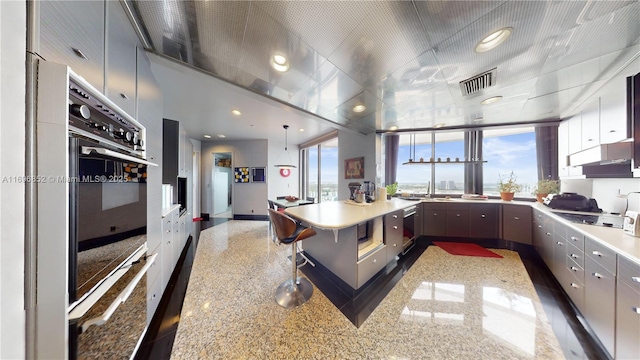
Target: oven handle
x=122, y=297
x=86, y=150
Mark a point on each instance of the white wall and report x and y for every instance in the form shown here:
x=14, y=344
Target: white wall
x=606, y=191
x=353, y=145
x=12, y=153
x=248, y=198
x=277, y=184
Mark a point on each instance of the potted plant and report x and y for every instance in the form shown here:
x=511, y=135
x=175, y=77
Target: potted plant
x=508, y=186
x=391, y=189
x=546, y=187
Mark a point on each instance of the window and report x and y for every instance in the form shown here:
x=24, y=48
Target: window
x=444, y=155
x=507, y=150
x=320, y=175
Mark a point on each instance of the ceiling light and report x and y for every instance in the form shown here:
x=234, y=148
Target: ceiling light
x=287, y=165
x=236, y=112
x=393, y=128
x=280, y=62
x=494, y=39
x=221, y=136
x=359, y=108
x=491, y=100
x=207, y=136
x=301, y=130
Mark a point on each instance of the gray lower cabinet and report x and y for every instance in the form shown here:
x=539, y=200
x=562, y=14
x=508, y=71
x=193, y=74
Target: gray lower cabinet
x=600, y=293
x=628, y=310
x=516, y=223
x=370, y=265
x=434, y=217
x=393, y=230
x=457, y=220
x=483, y=221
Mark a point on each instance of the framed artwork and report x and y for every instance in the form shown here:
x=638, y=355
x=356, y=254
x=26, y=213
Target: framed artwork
x=258, y=174
x=241, y=175
x=354, y=168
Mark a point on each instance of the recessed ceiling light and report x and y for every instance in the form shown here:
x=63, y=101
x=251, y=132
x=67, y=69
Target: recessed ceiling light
x=359, y=108
x=280, y=62
x=207, y=136
x=221, y=136
x=439, y=125
x=236, y=112
x=393, y=128
x=301, y=130
x=491, y=100
x=494, y=39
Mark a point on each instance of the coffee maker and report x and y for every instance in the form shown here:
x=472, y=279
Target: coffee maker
x=354, y=187
x=369, y=190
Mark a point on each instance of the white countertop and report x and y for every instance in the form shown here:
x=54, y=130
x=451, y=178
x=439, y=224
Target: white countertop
x=339, y=215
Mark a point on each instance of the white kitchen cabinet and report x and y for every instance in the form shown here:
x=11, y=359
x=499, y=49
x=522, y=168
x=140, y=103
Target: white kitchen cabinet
x=575, y=134
x=614, y=123
x=120, y=77
x=70, y=26
x=563, y=149
x=590, y=123
x=168, y=232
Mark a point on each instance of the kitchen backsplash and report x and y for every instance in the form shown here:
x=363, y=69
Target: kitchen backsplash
x=606, y=191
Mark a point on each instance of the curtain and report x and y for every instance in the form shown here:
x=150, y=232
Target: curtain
x=547, y=151
x=392, y=142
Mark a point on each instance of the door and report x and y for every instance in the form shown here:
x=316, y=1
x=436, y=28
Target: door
x=222, y=194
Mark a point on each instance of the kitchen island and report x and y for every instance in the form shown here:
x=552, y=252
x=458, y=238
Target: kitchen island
x=354, y=241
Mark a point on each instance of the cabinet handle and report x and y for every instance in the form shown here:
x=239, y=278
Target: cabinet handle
x=574, y=268
x=458, y=215
x=394, y=245
x=636, y=310
x=635, y=279
x=597, y=253
x=483, y=216
x=589, y=139
x=168, y=231
x=375, y=261
x=612, y=131
x=168, y=241
x=395, y=216
x=516, y=218
x=395, y=228
x=435, y=214
x=598, y=275
x=574, y=256
x=574, y=285
x=548, y=234
x=559, y=243
x=539, y=226
x=574, y=238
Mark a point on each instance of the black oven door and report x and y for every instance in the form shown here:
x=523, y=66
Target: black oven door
x=107, y=250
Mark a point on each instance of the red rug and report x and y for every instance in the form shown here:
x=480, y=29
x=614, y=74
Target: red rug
x=465, y=249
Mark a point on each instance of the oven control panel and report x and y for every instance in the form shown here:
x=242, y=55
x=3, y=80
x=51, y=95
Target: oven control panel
x=93, y=118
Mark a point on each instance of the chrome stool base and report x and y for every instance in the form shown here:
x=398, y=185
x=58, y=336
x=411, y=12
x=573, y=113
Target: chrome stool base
x=291, y=294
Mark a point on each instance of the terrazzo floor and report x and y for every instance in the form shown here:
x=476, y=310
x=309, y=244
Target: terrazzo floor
x=444, y=307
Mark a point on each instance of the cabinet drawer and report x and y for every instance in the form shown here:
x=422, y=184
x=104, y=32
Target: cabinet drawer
x=370, y=265
x=575, y=269
x=576, y=255
x=575, y=238
x=602, y=255
x=629, y=273
x=574, y=287
x=599, y=302
x=559, y=229
x=517, y=225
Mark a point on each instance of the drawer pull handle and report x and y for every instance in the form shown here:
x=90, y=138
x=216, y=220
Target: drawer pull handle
x=483, y=216
x=636, y=310
x=458, y=215
x=435, y=214
x=598, y=275
x=395, y=228
x=574, y=256
x=635, y=279
x=559, y=243
x=539, y=226
x=516, y=218
x=574, y=285
x=395, y=216
x=597, y=253
x=574, y=268
x=574, y=238
x=394, y=245
x=548, y=234
x=375, y=261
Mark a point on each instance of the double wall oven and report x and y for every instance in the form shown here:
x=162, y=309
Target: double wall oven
x=107, y=255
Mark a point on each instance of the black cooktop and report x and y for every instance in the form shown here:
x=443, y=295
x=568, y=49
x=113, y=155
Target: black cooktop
x=607, y=220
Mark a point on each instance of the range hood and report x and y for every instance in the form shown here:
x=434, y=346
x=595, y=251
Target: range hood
x=604, y=154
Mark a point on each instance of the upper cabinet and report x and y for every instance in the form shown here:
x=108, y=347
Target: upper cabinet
x=120, y=77
x=615, y=125
x=590, y=123
x=72, y=33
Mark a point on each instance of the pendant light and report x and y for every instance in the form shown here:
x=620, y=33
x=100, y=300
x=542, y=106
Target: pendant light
x=290, y=166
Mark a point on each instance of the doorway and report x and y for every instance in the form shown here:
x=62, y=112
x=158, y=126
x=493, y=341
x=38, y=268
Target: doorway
x=222, y=180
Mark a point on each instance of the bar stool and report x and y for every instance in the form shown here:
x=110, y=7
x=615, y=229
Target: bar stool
x=297, y=290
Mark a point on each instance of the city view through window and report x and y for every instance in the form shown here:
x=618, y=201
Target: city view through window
x=503, y=150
